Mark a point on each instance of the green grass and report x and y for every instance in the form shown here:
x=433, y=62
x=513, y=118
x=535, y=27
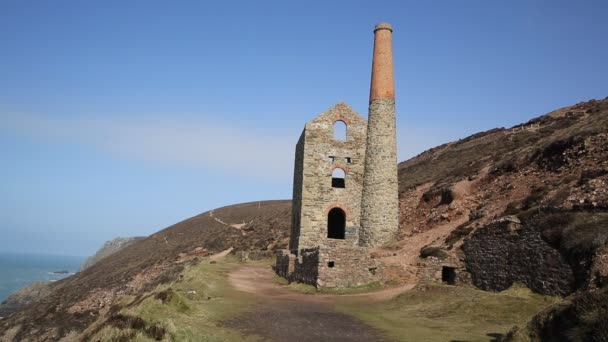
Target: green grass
x=302, y=288
x=280, y=280
x=426, y=313
x=311, y=290
x=192, y=310
x=352, y=290
x=444, y=313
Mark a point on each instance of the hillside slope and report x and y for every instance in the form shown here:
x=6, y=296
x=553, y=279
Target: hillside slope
x=77, y=301
x=528, y=205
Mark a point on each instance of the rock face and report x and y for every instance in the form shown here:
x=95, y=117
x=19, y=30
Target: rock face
x=581, y=317
x=25, y=296
x=109, y=248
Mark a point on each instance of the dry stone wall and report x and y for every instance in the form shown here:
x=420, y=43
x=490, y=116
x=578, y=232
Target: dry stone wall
x=505, y=252
x=306, y=268
x=433, y=269
x=285, y=263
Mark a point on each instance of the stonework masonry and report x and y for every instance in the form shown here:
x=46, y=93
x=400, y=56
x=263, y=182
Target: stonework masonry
x=317, y=155
x=380, y=202
x=334, y=219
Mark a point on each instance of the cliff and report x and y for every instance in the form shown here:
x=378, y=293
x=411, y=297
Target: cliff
x=108, y=248
x=25, y=296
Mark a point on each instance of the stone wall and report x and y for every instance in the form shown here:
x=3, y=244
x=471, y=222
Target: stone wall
x=298, y=174
x=431, y=269
x=380, y=202
x=314, y=195
x=285, y=262
x=339, y=263
x=505, y=252
x=306, y=268
x=344, y=265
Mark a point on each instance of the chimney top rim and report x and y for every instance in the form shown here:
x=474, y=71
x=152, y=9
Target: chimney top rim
x=383, y=26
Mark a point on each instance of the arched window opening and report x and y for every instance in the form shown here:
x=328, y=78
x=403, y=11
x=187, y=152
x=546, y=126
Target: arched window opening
x=336, y=223
x=338, y=177
x=339, y=130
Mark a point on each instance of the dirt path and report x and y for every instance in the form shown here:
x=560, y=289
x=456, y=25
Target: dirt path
x=285, y=315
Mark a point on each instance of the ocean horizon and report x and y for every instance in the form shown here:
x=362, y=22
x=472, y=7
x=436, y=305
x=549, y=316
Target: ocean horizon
x=21, y=269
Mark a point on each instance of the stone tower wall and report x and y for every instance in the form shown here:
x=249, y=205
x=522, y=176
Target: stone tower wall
x=380, y=203
x=314, y=196
x=298, y=175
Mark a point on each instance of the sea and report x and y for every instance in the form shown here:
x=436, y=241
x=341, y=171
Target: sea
x=19, y=270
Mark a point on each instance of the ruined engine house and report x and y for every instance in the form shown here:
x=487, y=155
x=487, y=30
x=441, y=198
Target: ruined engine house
x=345, y=192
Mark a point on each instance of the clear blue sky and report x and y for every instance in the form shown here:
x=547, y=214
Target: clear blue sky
x=119, y=118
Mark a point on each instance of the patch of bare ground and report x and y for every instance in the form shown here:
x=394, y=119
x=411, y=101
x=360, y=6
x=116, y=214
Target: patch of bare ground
x=284, y=315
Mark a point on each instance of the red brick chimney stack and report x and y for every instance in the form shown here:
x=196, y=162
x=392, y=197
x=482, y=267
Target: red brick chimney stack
x=383, y=85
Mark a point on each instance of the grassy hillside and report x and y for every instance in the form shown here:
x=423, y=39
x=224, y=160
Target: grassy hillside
x=77, y=301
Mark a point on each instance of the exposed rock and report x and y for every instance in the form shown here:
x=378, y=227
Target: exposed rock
x=109, y=248
x=25, y=296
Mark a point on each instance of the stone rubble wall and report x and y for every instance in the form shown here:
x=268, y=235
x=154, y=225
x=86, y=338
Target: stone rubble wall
x=284, y=265
x=431, y=268
x=352, y=266
x=306, y=268
x=505, y=252
x=380, y=202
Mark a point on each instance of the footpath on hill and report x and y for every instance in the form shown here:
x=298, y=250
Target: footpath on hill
x=285, y=315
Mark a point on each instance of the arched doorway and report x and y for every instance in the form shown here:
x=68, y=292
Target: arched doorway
x=336, y=223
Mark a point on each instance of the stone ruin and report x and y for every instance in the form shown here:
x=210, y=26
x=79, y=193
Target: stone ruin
x=345, y=192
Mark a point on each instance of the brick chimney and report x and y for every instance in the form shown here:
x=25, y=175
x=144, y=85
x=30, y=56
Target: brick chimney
x=379, y=201
x=383, y=84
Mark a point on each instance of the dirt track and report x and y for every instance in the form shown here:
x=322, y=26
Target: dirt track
x=285, y=315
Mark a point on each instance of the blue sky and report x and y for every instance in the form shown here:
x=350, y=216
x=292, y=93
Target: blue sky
x=119, y=118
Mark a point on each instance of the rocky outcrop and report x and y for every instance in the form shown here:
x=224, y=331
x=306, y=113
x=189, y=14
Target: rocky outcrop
x=109, y=248
x=25, y=296
x=582, y=317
